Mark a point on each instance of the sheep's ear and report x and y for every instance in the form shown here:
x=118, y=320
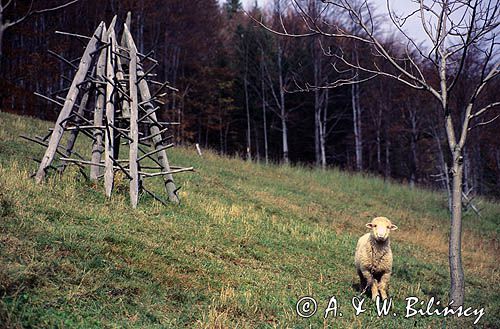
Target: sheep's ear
x=393, y=227
x=369, y=225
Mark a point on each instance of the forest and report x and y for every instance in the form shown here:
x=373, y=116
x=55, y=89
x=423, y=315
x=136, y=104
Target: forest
x=246, y=91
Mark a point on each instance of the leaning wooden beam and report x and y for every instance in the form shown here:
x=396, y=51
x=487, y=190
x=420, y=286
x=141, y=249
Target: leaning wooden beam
x=80, y=115
x=56, y=136
x=120, y=76
x=122, y=168
x=157, y=198
x=73, y=66
x=74, y=134
x=148, y=114
x=44, y=138
x=155, y=160
x=161, y=149
x=78, y=128
x=121, y=132
x=49, y=99
x=59, y=151
x=148, y=57
x=134, y=129
x=158, y=167
x=97, y=148
x=74, y=35
x=55, y=168
x=154, y=135
x=110, y=119
x=111, y=42
x=83, y=162
x=148, y=72
x=125, y=170
x=77, y=106
x=123, y=48
x=118, y=88
x=161, y=141
x=150, y=118
x=164, y=85
x=162, y=155
x=146, y=174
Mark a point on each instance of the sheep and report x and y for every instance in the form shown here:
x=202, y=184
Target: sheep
x=373, y=257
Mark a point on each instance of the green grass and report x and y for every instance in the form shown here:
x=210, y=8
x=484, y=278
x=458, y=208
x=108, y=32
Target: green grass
x=246, y=243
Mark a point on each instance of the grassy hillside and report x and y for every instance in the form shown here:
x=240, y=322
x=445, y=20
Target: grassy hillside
x=246, y=243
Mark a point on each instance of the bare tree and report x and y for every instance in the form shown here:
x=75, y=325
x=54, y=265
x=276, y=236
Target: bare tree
x=283, y=76
x=247, y=105
x=6, y=24
x=264, y=103
x=456, y=30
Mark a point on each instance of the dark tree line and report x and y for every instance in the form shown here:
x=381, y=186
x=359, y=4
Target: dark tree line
x=243, y=90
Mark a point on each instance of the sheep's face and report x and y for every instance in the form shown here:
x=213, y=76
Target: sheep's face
x=381, y=228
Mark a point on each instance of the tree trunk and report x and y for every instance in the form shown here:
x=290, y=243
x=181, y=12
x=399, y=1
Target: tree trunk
x=356, y=116
x=379, y=152
x=413, y=146
x=317, y=127
x=378, y=123
x=284, y=133
x=455, y=254
x=387, y=171
x=264, y=119
x=322, y=131
x=317, y=105
x=221, y=127
x=247, y=107
x=443, y=166
x=257, y=148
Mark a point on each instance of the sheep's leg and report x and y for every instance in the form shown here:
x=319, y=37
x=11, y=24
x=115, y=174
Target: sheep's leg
x=362, y=281
x=370, y=282
x=374, y=289
x=384, y=282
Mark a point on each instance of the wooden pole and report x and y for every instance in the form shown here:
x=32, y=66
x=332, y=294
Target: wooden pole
x=116, y=67
x=110, y=118
x=97, y=148
x=134, y=129
x=56, y=136
x=74, y=134
x=154, y=130
x=120, y=76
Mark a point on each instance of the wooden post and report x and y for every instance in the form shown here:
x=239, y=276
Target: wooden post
x=121, y=63
x=116, y=67
x=134, y=129
x=74, y=134
x=154, y=130
x=110, y=118
x=128, y=23
x=198, y=149
x=97, y=148
x=56, y=136
x=120, y=76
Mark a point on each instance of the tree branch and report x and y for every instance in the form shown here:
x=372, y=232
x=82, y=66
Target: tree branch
x=31, y=12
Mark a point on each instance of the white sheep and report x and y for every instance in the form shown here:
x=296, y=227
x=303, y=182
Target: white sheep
x=373, y=257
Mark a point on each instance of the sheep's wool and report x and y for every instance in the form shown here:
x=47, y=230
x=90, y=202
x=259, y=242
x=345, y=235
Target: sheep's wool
x=373, y=257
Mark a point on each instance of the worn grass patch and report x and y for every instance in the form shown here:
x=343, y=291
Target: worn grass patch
x=246, y=243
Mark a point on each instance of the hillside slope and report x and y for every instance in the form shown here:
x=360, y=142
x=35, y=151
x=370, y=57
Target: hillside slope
x=246, y=243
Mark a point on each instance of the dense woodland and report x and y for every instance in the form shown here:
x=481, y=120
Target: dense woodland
x=244, y=90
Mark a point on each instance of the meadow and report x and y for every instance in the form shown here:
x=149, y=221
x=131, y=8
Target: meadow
x=245, y=244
